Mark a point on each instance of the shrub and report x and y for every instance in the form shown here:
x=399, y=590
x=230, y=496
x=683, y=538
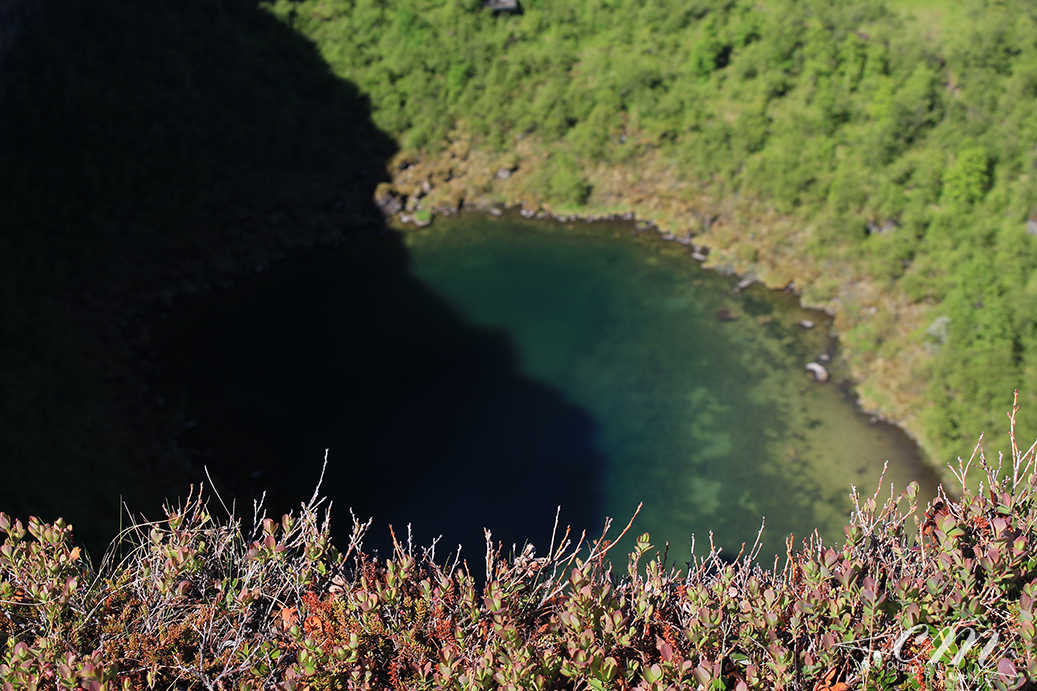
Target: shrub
x=195, y=603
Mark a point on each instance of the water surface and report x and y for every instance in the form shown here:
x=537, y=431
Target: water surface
x=712, y=424
x=486, y=370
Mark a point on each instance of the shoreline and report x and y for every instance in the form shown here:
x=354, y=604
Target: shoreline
x=461, y=180
x=114, y=317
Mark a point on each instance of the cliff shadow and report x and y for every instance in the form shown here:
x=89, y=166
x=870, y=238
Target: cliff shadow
x=153, y=155
x=428, y=420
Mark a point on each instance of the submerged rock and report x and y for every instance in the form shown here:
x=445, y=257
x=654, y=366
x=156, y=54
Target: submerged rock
x=726, y=315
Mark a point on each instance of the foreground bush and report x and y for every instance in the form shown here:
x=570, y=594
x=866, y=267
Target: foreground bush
x=195, y=603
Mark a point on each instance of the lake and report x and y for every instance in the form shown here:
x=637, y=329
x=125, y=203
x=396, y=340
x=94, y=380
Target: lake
x=486, y=370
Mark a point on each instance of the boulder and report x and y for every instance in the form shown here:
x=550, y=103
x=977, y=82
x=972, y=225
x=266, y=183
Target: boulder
x=744, y=283
x=819, y=372
x=386, y=199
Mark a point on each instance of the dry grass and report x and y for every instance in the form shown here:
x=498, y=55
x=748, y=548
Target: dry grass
x=194, y=603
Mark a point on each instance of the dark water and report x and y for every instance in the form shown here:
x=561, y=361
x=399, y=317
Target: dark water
x=494, y=369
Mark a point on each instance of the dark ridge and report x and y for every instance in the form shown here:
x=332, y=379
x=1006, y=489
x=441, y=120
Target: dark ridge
x=148, y=152
x=152, y=153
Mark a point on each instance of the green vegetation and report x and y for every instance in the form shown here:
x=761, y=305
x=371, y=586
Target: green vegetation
x=895, y=168
x=947, y=603
x=802, y=124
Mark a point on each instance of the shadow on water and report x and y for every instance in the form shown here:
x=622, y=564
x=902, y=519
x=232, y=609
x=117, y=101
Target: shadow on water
x=159, y=150
x=428, y=419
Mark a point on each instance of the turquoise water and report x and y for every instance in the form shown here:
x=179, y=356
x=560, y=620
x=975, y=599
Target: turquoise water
x=712, y=424
x=483, y=371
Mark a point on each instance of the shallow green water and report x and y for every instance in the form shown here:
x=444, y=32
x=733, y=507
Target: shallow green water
x=482, y=371
x=712, y=424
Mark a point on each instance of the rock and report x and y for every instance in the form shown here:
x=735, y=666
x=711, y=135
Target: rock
x=495, y=212
x=685, y=240
x=503, y=173
x=819, y=372
x=938, y=331
x=505, y=6
x=726, y=315
x=744, y=283
x=1031, y=226
x=669, y=237
x=698, y=256
x=388, y=203
x=806, y=324
x=418, y=218
x=886, y=226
